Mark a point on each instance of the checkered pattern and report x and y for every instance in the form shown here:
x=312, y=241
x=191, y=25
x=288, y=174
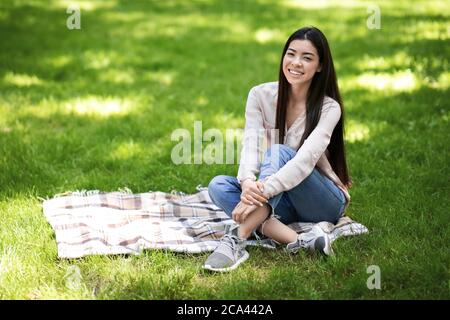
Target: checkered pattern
x=94, y=222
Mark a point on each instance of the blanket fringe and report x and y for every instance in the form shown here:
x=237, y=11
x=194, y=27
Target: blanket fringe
x=86, y=193
x=199, y=188
x=124, y=190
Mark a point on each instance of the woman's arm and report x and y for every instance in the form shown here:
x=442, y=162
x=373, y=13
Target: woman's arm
x=302, y=165
x=250, y=159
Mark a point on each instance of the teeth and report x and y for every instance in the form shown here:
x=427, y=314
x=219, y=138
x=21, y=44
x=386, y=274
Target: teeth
x=295, y=72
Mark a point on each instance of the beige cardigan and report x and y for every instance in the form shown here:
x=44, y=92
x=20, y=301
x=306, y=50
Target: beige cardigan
x=259, y=135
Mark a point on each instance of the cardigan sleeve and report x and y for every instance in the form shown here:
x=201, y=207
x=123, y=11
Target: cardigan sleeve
x=250, y=159
x=303, y=163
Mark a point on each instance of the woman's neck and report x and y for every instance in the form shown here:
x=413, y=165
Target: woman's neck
x=298, y=94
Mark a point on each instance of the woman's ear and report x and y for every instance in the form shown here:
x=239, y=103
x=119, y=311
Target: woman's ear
x=319, y=68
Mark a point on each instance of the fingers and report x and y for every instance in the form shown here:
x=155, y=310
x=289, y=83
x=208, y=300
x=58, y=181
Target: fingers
x=244, y=215
x=241, y=218
x=258, y=198
x=255, y=187
x=236, y=215
x=238, y=210
x=252, y=193
x=241, y=211
x=252, y=198
x=260, y=186
x=246, y=200
x=256, y=190
x=249, y=200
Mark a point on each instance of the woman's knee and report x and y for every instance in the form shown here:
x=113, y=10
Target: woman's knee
x=218, y=185
x=282, y=149
x=281, y=152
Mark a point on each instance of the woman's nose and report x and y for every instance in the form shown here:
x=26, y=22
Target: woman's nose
x=297, y=61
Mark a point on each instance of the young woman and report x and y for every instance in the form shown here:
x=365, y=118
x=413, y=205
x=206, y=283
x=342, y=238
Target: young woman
x=304, y=177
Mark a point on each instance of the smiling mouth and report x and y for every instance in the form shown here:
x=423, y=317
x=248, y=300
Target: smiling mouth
x=295, y=73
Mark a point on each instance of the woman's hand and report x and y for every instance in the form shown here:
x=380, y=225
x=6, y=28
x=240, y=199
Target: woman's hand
x=241, y=211
x=252, y=193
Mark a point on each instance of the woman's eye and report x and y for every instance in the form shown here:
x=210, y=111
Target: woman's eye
x=307, y=59
x=290, y=54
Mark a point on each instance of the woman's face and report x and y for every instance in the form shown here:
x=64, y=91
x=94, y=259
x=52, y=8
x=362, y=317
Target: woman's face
x=300, y=62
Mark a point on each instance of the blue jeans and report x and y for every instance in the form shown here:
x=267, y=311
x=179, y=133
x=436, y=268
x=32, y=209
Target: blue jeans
x=315, y=199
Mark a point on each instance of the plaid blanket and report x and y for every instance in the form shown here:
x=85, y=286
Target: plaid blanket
x=94, y=222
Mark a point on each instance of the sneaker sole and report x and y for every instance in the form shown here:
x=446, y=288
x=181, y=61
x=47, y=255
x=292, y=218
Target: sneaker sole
x=234, y=266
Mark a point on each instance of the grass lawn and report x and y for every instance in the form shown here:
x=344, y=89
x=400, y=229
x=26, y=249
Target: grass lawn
x=95, y=108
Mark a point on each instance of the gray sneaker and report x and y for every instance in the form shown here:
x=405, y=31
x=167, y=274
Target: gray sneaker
x=229, y=254
x=314, y=240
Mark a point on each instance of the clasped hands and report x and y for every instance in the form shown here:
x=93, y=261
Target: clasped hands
x=251, y=198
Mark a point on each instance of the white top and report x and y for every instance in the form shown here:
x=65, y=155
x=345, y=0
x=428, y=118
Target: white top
x=260, y=117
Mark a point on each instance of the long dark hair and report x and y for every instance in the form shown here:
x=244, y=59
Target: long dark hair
x=323, y=83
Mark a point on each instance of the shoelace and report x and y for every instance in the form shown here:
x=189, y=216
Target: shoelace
x=230, y=241
x=302, y=243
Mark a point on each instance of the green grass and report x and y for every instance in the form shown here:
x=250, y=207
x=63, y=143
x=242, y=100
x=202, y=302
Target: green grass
x=94, y=109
